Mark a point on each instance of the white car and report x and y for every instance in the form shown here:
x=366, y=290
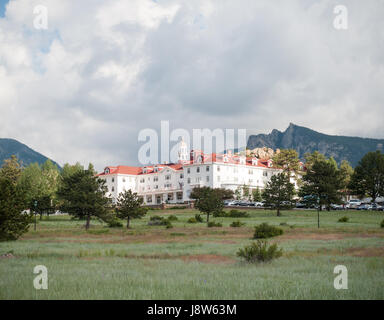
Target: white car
x=353, y=204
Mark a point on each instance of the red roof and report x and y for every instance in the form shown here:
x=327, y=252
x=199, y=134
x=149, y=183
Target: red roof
x=138, y=170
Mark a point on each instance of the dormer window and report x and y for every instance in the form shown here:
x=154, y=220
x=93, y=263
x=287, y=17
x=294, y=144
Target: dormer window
x=156, y=169
x=107, y=171
x=145, y=170
x=254, y=161
x=269, y=163
x=242, y=160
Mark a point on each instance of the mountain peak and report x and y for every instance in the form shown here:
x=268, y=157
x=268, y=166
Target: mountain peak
x=26, y=155
x=305, y=140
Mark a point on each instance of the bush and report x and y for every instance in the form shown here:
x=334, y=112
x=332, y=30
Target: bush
x=220, y=213
x=192, y=220
x=168, y=224
x=260, y=251
x=214, y=224
x=231, y=214
x=157, y=221
x=198, y=218
x=114, y=223
x=382, y=224
x=154, y=218
x=266, y=231
x=237, y=214
x=343, y=219
x=236, y=224
x=172, y=217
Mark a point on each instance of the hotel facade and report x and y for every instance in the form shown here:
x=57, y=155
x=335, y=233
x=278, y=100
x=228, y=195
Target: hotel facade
x=173, y=183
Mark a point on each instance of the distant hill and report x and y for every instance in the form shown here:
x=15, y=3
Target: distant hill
x=8, y=147
x=306, y=140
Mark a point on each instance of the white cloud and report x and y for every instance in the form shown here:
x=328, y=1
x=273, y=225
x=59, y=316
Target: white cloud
x=104, y=70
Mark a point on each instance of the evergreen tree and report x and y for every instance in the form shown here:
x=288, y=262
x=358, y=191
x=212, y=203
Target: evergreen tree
x=279, y=192
x=208, y=200
x=13, y=222
x=129, y=206
x=288, y=160
x=322, y=184
x=368, y=177
x=83, y=195
x=256, y=194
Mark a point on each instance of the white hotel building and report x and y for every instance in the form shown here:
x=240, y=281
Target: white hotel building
x=172, y=183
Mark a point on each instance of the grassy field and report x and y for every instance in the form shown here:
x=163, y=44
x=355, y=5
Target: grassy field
x=191, y=261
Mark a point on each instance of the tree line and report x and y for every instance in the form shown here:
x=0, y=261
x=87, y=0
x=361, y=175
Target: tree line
x=42, y=190
x=79, y=192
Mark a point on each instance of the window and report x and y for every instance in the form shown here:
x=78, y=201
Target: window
x=149, y=199
x=265, y=173
x=181, y=176
x=113, y=189
x=207, y=178
x=218, y=168
x=113, y=180
x=218, y=178
x=156, y=187
x=198, y=179
x=198, y=169
x=207, y=168
x=155, y=179
x=123, y=179
x=168, y=177
x=189, y=170
x=179, y=196
x=142, y=180
x=189, y=180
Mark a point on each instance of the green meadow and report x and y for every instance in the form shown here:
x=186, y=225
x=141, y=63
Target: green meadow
x=192, y=261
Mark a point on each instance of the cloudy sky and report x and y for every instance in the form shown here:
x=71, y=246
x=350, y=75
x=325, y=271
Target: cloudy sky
x=83, y=89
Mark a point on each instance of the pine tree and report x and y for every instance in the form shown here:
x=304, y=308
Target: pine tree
x=129, y=206
x=256, y=194
x=368, y=178
x=83, y=195
x=279, y=192
x=13, y=222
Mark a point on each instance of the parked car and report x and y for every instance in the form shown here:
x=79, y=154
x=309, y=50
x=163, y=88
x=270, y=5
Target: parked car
x=300, y=205
x=353, y=204
x=364, y=206
x=258, y=204
x=377, y=207
x=337, y=207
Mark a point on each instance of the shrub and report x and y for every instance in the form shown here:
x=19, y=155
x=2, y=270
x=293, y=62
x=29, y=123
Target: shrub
x=236, y=224
x=178, y=207
x=237, y=214
x=343, y=219
x=260, y=251
x=168, y=224
x=157, y=221
x=114, y=223
x=231, y=214
x=198, y=218
x=154, y=218
x=266, y=231
x=192, y=220
x=220, y=213
x=382, y=224
x=172, y=217
x=214, y=224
